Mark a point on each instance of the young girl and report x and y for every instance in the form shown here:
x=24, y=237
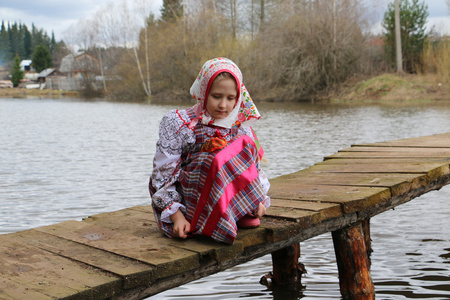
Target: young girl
x=206, y=177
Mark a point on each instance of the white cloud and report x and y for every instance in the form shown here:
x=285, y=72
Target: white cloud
x=55, y=15
x=441, y=25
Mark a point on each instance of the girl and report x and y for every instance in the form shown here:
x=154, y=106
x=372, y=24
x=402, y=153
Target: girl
x=206, y=177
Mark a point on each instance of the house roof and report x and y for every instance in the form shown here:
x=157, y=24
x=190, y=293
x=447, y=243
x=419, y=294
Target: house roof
x=66, y=63
x=46, y=73
x=25, y=62
x=79, y=63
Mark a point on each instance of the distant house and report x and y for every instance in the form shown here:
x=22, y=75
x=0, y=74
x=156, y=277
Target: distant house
x=75, y=73
x=25, y=65
x=50, y=72
x=80, y=66
x=376, y=42
x=3, y=73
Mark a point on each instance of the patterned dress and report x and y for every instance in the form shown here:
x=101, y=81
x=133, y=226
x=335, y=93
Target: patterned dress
x=210, y=173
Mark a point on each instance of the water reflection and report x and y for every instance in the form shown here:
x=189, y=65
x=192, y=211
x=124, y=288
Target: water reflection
x=68, y=159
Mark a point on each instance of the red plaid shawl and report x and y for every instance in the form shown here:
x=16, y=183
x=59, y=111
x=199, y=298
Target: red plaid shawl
x=219, y=187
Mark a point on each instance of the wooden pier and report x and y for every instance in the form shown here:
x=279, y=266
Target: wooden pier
x=123, y=255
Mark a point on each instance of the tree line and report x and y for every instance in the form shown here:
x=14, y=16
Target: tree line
x=17, y=40
x=287, y=49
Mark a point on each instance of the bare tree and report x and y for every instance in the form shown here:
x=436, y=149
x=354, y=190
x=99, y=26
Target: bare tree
x=307, y=47
x=122, y=24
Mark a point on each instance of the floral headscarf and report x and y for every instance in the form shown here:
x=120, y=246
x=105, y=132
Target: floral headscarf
x=244, y=112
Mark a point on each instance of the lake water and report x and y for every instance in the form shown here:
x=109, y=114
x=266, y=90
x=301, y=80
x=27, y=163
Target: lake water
x=68, y=159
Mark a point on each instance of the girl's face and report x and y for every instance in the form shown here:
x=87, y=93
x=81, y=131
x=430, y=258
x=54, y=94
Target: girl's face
x=221, y=98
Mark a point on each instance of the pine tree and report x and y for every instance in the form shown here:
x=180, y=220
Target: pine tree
x=17, y=73
x=413, y=19
x=171, y=10
x=15, y=40
x=27, y=42
x=5, y=48
x=42, y=58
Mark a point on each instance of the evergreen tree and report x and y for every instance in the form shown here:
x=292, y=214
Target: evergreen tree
x=39, y=37
x=42, y=58
x=15, y=40
x=17, y=73
x=171, y=10
x=53, y=43
x=5, y=49
x=413, y=19
x=27, y=41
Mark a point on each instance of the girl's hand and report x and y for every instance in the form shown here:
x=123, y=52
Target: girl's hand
x=261, y=211
x=181, y=226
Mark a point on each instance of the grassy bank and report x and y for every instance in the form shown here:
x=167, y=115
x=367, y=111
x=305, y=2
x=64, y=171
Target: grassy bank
x=24, y=93
x=386, y=88
x=392, y=88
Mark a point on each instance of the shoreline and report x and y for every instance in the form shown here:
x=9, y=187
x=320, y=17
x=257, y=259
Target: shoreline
x=46, y=93
x=388, y=88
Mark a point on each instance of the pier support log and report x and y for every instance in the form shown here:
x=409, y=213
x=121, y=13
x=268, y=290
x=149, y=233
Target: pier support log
x=368, y=241
x=287, y=271
x=353, y=263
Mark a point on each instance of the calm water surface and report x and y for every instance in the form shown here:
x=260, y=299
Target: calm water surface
x=68, y=159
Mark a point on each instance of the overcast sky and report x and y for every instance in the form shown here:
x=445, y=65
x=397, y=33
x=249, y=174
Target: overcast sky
x=57, y=15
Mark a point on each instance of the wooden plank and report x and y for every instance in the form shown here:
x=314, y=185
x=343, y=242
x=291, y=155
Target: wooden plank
x=433, y=141
x=39, y=271
x=432, y=170
x=388, y=160
x=132, y=272
x=12, y=290
x=144, y=226
x=421, y=151
x=351, y=198
x=158, y=250
x=246, y=236
x=398, y=183
x=325, y=210
x=444, y=154
x=280, y=229
x=304, y=217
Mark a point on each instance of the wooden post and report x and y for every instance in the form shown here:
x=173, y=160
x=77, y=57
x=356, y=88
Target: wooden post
x=368, y=241
x=353, y=263
x=287, y=271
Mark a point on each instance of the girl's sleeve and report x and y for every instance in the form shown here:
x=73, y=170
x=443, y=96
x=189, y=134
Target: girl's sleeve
x=173, y=137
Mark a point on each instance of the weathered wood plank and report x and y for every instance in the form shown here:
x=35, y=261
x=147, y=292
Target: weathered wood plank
x=419, y=151
x=30, y=270
x=166, y=257
x=391, y=153
x=144, y=226
x=325, y=210
x=398, y=183
x=11, y=290
x=351, y=198
x=433, y=141
x=132, y=272
x=304, y=217
x=432, y=170
x=389, y=160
